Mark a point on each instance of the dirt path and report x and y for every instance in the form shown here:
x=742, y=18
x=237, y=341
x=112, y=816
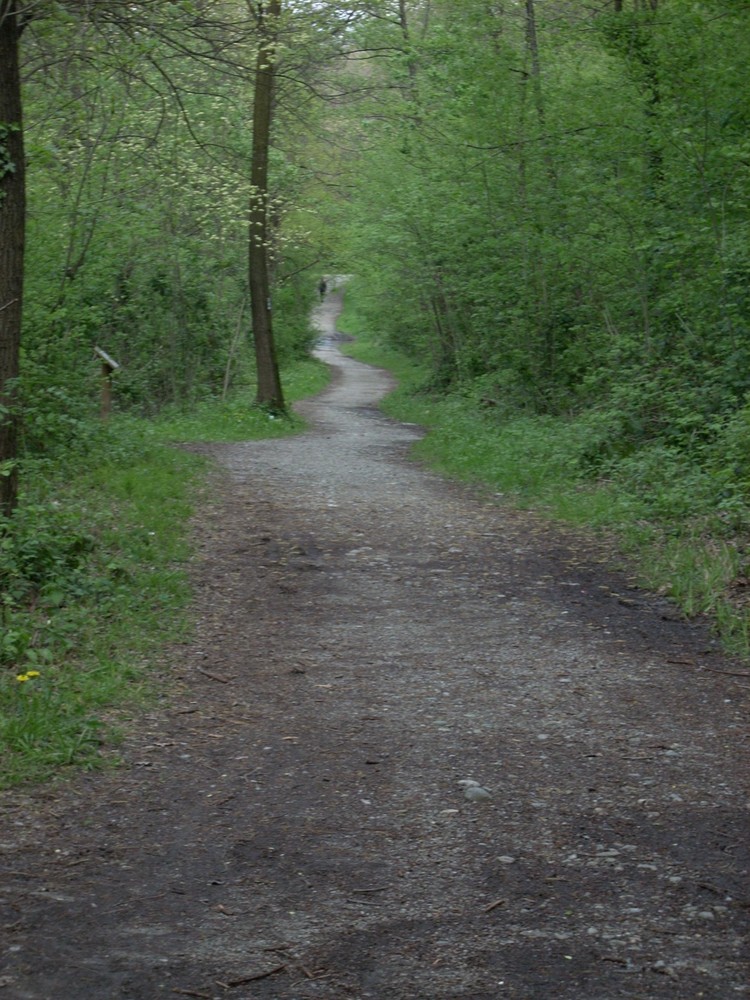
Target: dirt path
x=291, y=823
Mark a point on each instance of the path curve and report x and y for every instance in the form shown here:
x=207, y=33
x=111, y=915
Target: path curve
x=291, y=824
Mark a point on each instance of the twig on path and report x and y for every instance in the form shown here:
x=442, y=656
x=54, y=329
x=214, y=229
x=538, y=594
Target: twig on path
x=707, y=885
x=702, y=666
x=214, y=677
x=494, y=906
x=232, y=983
x=377, y=888
x=193, y=993
x=311, y=973
x=308, y=973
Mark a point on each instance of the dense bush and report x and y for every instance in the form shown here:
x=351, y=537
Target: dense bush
x=569, y=230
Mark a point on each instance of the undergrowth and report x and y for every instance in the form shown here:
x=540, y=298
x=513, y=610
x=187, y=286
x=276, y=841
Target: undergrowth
x=237, y=419
x=93, y=579
x=681, y=524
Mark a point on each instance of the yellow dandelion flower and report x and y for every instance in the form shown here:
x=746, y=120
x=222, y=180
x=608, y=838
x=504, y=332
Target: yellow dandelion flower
x=21, y=678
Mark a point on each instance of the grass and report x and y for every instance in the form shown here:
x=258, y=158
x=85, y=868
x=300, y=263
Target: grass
x=655, y=510
x=94, y=586
x=84, y=610
x=237, y=419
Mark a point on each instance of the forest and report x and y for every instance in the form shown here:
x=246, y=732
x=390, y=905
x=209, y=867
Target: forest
x=543, y=205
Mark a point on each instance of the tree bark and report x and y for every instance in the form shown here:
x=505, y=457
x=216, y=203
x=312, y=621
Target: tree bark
x=12, y=233
x=534, y=77
x=269, y=393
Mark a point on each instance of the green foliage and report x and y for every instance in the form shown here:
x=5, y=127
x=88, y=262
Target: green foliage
x=237, y=418
x=137, y=234
x=579, y=242
x=43, y=556
x=91, y=580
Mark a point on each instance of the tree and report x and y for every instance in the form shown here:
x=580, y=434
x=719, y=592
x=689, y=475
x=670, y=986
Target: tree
x=138, y=190
x=12, y=224
x=269, y=393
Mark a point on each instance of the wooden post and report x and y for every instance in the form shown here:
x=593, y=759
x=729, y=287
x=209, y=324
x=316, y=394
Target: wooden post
x=109, y=365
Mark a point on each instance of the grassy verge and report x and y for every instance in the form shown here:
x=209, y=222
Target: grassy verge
x=93, y=581
x=657, y=510
x=237, y=419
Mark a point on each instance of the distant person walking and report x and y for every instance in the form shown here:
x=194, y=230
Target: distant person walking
x=322, y=288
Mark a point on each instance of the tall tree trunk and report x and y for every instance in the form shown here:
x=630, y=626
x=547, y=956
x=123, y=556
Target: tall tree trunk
x=640, y=51
x=269, y=393
x=12, y=232
x=534, y=77
x=536, y=267
x=403, y=20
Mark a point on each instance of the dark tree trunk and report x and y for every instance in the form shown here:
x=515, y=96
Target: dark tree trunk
x=269, y=394
x=12, y=231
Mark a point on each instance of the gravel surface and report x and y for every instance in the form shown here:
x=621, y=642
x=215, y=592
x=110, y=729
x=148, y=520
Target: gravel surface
x=420, y=747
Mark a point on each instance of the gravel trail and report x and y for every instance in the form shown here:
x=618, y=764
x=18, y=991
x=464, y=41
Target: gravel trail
x=296, y=820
